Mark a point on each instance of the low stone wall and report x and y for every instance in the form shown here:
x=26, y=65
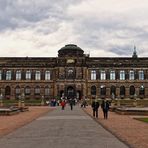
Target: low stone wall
x=132, y=111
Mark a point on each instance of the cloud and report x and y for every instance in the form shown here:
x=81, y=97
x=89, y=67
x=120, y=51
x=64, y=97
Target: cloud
x=104, y=28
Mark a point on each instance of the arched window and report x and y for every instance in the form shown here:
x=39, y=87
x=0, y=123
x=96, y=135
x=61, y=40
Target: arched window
x=47, y=91
x=122, y=91
x=132, y=90
x=27, y=90
x=18, y=75
x=113, y=90
x=93, y=90
x=47, y=75
x=7, y=90
x=141, y=90
x=70, y=73
x=102, y=90
x=17, y=90
x=37, y=90
x=28, y=75
x=37, y=75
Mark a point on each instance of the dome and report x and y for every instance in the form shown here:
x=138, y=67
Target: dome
x=70, y=50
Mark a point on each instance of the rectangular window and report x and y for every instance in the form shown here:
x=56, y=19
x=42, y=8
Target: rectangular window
x=0, y=75
x=93, y=75
x=38, y=75
x=28, y=75
x=103, y=75
x=47, y=75
x=18, y=75
x=141, y=75
x=131, y=75
x=112, y=75
x=8, y=75
x=122, y=75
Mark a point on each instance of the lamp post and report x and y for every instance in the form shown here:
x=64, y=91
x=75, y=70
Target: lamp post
x=1, y=100
x=135, y=100
x=22, y=99
x=118, y=101
x=113, y=100
x=42, y=100
x=19, y=101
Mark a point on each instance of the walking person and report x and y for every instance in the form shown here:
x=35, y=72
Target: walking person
x=95, y=107
x=71, y=103
x=105, y=108
x=63, y=103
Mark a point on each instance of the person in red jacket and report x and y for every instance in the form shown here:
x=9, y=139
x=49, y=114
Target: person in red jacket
x=63, y=103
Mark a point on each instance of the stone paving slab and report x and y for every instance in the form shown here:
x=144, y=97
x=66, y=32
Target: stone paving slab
x=62, y=129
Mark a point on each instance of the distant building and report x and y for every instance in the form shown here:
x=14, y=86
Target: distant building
x=74, y=74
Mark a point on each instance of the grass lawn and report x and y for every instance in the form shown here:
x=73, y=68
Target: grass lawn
x=142, y=119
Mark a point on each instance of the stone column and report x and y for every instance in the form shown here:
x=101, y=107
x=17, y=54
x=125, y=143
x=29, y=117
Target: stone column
x=127, y=92
x=108, y=92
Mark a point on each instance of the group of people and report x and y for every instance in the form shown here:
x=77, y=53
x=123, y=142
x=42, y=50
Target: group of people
x=95, y=105
x=104, y=106
x=70, y=101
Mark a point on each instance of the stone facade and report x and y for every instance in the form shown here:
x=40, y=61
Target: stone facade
x=74, y=74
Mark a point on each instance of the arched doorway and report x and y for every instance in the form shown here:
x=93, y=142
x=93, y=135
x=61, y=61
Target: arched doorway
x=141, y=92
x=122, y=91
x=78, y=95
x=70, y=92
x=132, y=90
x=102, y=91
x=113, y=90
x=7, y=92
x=93, y=90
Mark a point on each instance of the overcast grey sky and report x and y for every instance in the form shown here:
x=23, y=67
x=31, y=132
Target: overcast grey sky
x=101, y=27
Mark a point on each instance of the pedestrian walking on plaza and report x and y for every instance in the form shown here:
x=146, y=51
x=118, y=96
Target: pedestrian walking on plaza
x=95, y=106
x=71, y=103
x=63, y=103
x=105, y=108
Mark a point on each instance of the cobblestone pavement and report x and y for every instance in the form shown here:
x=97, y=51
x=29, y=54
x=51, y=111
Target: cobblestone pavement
x=10, y=123
x=62, y=129
x=132, y=131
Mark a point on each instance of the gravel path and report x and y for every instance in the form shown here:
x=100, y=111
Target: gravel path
x=10, y=123
x=129, y=130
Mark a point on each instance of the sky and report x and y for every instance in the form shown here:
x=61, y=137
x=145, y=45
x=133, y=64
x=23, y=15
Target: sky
x=102, y=28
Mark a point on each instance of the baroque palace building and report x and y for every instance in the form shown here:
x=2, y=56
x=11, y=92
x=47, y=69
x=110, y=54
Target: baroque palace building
x=74, y=74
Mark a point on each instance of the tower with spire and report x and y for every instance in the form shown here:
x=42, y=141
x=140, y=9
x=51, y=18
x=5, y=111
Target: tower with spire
x=134, y=53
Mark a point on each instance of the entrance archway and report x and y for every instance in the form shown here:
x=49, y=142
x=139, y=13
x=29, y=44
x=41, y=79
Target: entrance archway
x=70, y=92
x=7, y=92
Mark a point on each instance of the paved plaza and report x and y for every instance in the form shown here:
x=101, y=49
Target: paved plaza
x=62, y=129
